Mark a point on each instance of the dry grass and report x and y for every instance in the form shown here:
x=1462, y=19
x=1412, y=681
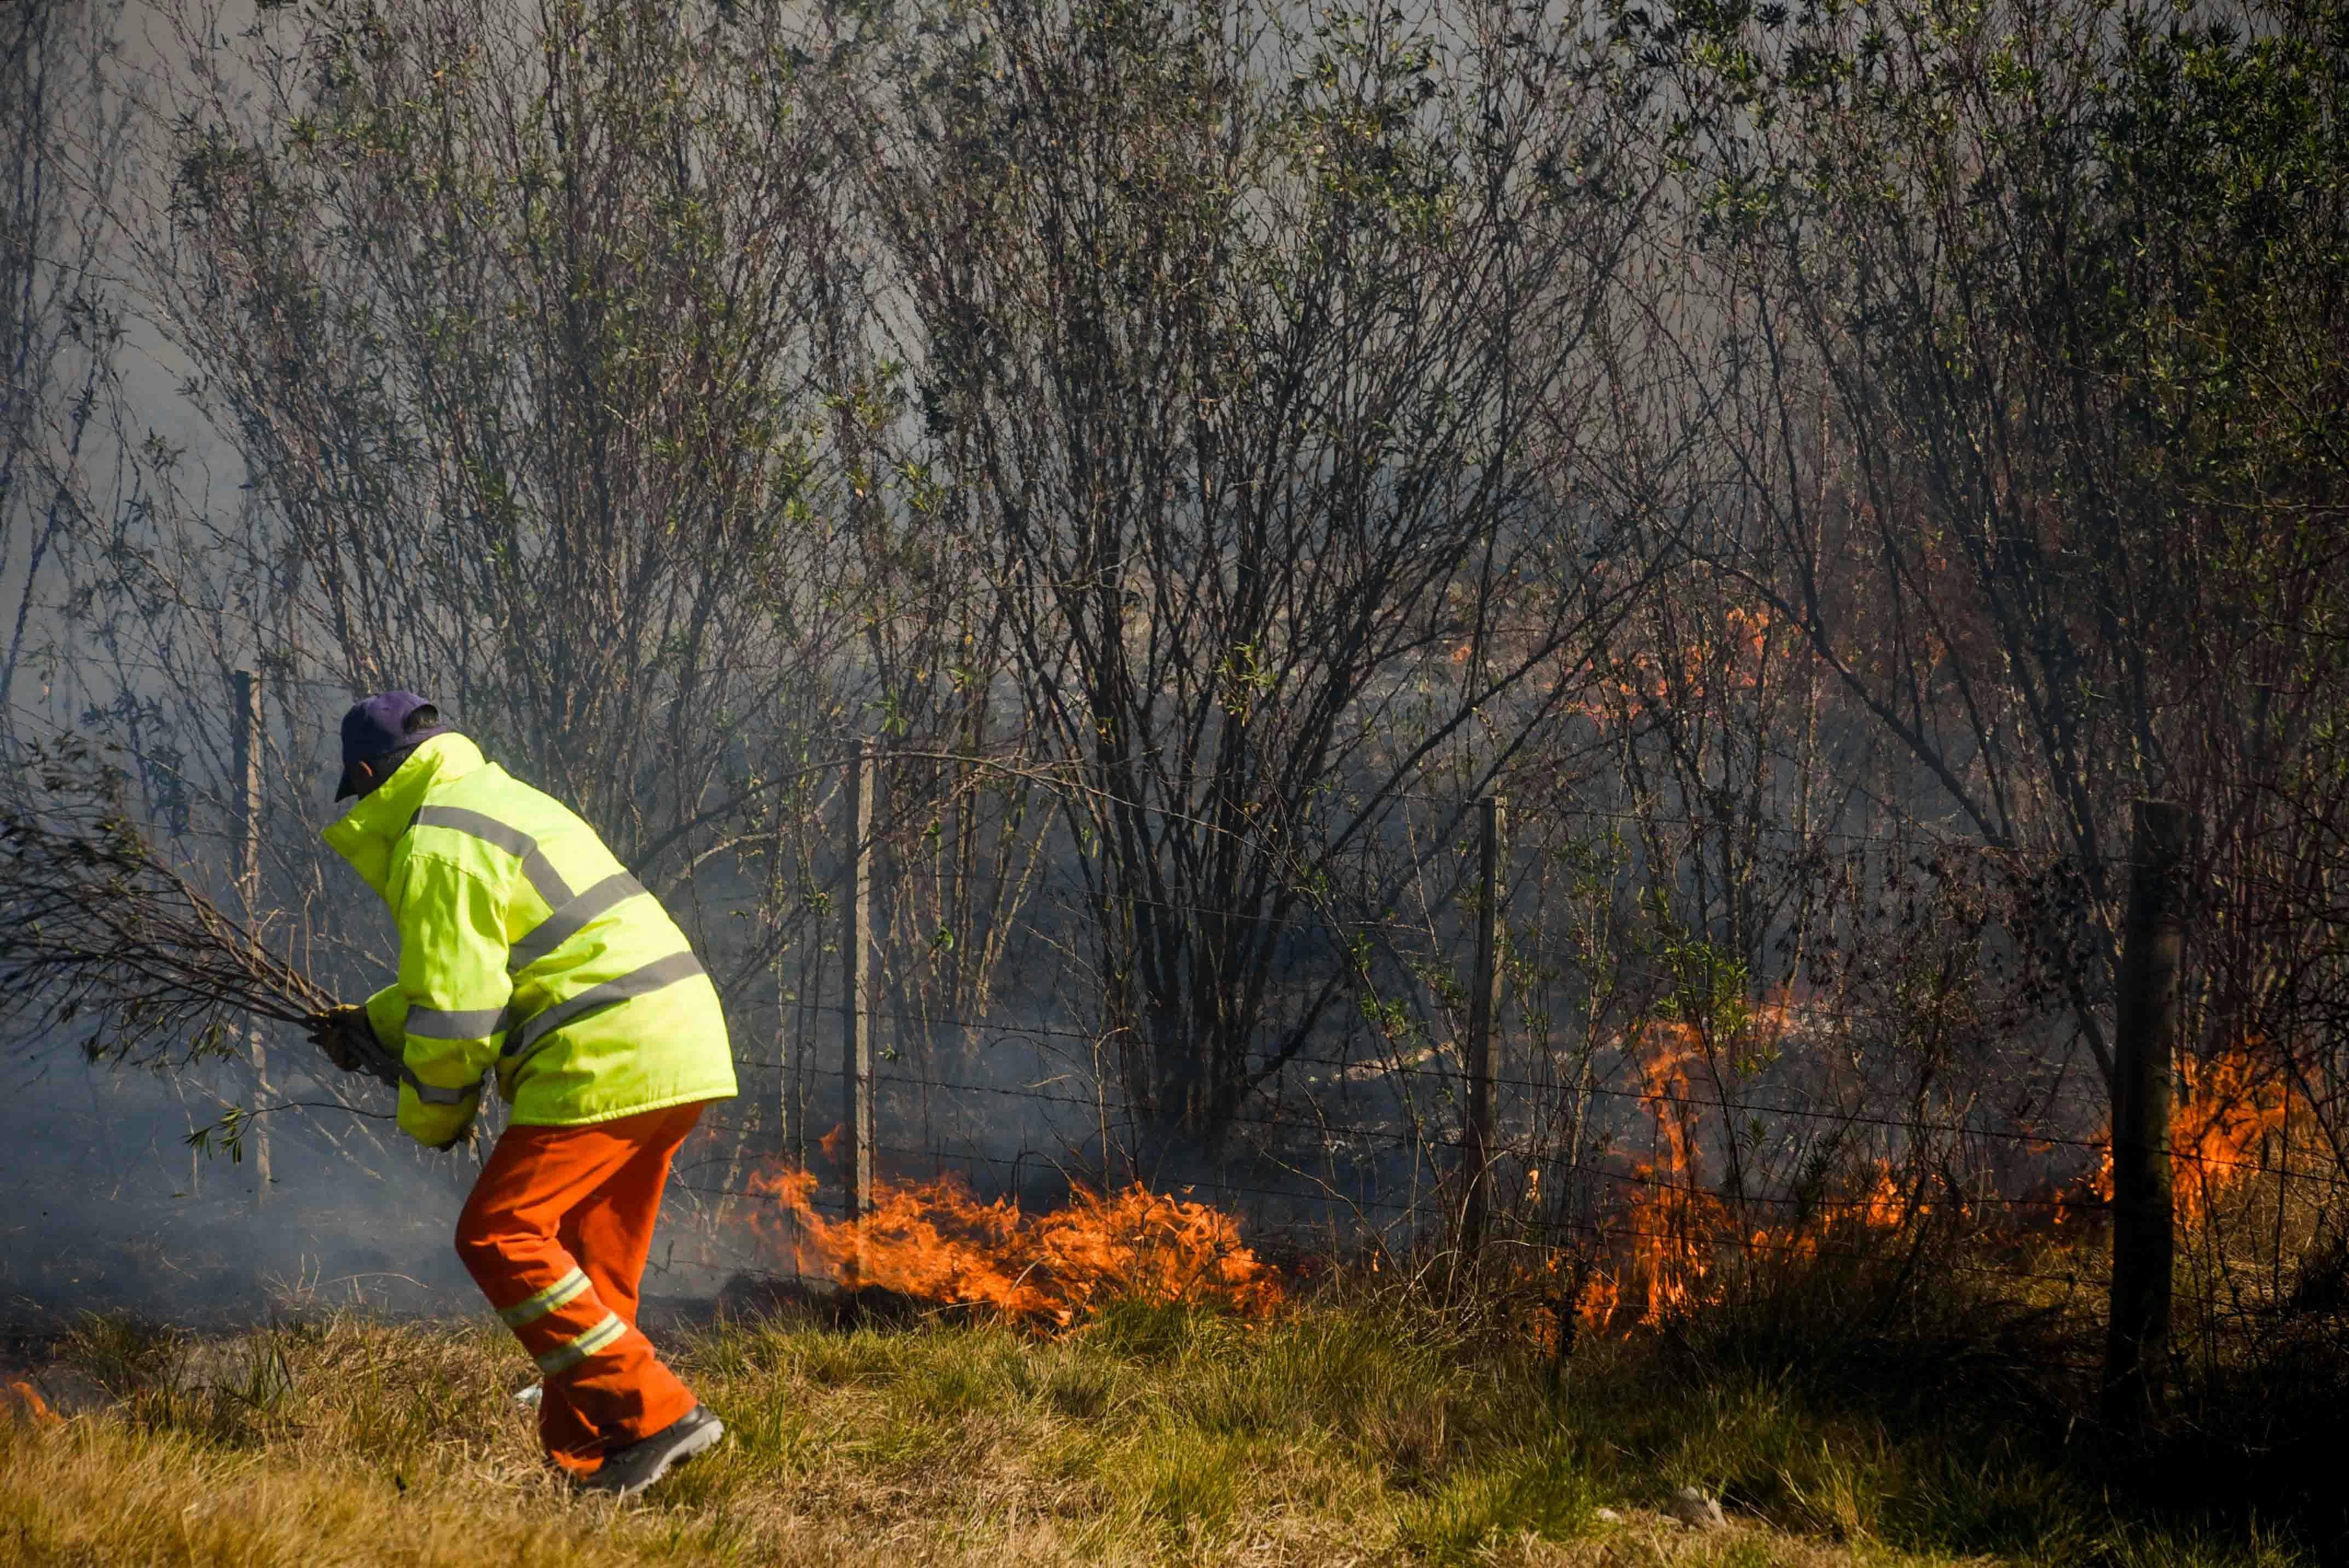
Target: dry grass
x=1329, y=1438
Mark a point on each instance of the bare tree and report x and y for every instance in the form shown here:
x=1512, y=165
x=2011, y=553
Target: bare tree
x=60, y=317
x=507, y=314
x=2018, y=373
x=1253, y=365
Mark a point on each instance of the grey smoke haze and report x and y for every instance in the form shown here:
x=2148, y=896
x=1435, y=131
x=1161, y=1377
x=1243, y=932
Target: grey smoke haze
x=103, y=1207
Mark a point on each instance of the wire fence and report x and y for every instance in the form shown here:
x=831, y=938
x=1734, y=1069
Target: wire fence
x=1633, y=1108
x=1451, y=1142
x=1367, y=1149
x=1103, y=1098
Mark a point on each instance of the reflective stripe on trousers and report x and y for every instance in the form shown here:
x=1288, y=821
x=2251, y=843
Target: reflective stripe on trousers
x=562, y=1292
x=555, y=1234
x=581, y=1345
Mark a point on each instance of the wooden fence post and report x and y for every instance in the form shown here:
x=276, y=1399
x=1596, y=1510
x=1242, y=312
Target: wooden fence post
x=2145, y=1038
x=245, y=784
x=856, y=986
x=1483, y=1002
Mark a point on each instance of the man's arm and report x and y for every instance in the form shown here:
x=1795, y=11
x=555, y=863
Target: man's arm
x=445, y=1019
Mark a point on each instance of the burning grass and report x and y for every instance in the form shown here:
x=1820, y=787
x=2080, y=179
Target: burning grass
x=20, y=1401
x=935, y=1243
x=1685, y=1204
x=1377, y=1431
x=1124, y=1381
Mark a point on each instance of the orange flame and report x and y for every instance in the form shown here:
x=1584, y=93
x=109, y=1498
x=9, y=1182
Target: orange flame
x=1602, y=1292
x=1668, y=1231
x=1667, y=1236
x=935, y=1242
x=2230, y=1104
x=1720, y=664
x=1664, y=1230
x=36, y=1408
x=2225, y=1109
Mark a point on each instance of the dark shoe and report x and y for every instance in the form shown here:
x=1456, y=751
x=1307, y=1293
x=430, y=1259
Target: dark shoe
x=627, y=1471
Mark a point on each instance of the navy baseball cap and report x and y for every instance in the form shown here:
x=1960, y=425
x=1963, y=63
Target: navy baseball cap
x=378, y=725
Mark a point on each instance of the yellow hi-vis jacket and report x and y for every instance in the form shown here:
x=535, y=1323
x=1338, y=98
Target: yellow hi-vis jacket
x=523, y=945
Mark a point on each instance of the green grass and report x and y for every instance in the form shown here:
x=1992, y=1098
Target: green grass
x=1376, y=1432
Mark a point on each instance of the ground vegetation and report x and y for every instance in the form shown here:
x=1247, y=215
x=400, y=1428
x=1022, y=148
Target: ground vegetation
x=1370, y=1430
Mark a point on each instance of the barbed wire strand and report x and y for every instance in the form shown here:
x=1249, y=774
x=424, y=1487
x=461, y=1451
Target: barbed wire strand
x=1838, y=1117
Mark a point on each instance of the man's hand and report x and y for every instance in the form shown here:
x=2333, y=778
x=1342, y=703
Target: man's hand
x=349, y=1042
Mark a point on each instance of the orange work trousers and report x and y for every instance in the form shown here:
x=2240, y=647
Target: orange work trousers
x=556, y=1234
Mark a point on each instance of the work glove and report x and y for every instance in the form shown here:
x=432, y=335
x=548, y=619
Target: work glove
x=349, y=1042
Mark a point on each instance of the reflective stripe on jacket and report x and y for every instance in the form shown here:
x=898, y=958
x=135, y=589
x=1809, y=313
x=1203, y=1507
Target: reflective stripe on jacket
x=524, y=946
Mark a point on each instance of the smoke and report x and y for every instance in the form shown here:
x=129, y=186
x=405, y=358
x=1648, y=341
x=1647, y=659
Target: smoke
x=103, y=1207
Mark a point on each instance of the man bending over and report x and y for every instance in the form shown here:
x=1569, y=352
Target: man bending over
x=526, y=949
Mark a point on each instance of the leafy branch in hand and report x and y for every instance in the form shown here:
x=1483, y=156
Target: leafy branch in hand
x=97, y=928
